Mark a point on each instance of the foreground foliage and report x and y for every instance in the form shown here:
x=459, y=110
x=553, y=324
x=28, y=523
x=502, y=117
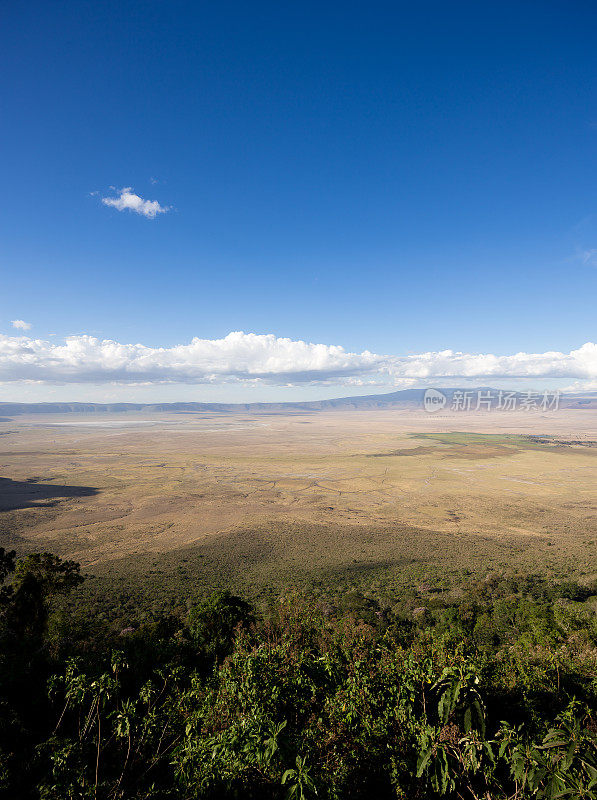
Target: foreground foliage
x=488, y=694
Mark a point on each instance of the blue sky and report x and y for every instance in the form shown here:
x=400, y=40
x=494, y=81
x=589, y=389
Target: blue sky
x=387, y=177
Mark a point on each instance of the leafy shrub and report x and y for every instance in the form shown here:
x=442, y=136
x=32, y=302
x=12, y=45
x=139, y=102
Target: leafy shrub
x=492, y=695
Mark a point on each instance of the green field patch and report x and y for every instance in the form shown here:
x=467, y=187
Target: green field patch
x=466, y=438
x=464, y=444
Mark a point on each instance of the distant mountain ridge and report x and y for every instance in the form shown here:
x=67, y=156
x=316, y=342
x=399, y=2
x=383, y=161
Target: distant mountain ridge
x=405, y=398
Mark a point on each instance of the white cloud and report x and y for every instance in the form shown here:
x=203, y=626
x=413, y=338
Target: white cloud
x=20, y=324
x=581, y=363
x=581, y=386
x=585, y=255
x=242, y=357
x=127, y=199
x=589, y=257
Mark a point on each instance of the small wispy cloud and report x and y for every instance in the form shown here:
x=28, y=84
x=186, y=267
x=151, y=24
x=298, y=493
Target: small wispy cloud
x=128, y=200
x=588, y=257
x=20, y=324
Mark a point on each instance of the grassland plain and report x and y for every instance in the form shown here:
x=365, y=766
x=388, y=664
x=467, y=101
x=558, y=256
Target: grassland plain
x=172, y=503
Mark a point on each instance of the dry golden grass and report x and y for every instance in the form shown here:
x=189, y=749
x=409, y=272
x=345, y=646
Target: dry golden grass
x=324, y=490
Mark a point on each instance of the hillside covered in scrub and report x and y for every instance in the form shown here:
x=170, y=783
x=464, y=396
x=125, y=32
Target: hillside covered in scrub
x=491, y=694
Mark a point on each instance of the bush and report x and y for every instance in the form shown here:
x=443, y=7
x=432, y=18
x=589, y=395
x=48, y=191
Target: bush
x=492, y=696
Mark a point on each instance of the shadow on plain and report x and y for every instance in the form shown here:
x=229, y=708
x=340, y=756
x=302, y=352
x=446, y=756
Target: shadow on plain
x=33, y=493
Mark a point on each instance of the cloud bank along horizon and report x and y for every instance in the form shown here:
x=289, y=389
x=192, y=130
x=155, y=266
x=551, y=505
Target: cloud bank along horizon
x=264, y=358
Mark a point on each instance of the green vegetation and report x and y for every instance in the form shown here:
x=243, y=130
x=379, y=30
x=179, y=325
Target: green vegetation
x=487, y=689
x=466, y=437
x=462, y=444
x=327, y=562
